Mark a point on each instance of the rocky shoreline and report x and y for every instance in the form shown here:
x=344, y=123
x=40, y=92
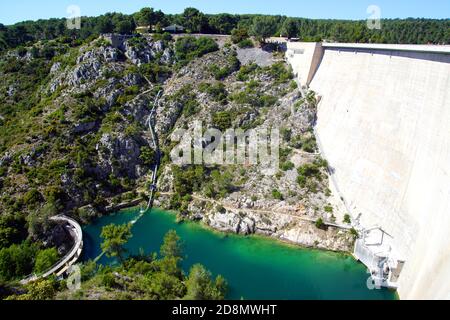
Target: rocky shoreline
x=283, y=227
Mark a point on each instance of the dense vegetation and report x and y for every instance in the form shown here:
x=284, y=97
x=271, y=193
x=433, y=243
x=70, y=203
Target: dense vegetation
x=150, y=277
x=414, y=31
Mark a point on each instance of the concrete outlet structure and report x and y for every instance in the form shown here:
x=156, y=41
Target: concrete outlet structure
x=384, y=126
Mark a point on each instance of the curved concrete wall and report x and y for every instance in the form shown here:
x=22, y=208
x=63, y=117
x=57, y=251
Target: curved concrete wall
x=384, y=125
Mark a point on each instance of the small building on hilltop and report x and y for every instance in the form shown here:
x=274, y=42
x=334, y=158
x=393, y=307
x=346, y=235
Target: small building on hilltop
x=174, y=28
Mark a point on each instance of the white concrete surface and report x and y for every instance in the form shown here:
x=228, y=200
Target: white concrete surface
x=395, y=47
x=384, y=125
x=304, y=58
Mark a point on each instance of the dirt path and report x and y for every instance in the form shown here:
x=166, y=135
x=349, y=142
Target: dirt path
x=260, y=211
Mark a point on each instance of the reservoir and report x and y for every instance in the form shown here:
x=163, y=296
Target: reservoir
x=255, y=267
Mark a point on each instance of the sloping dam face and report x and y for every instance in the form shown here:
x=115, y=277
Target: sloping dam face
x=384, y=127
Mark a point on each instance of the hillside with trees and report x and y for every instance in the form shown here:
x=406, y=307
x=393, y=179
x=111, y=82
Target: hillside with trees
x=397, y=31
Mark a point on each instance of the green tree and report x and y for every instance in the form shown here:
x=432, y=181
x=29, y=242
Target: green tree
x=45, y=259
x=220, y=185
x=166, y=286
x=114, y=239
x=124, y=27
x=147, y=155
x=277, y=194
x=201, y=287
x=194, y=20
x=12, y=229
x=145, y=17
x=104, y=24
x=290, y=28
x=172, y=245
x=17, y=261
x=39, y=290
x=222, y=23
x=347, y=219
x=222, y=120
x=39, y=222
x=149, y=17
x=319, y=223
x=264, y=27
x=238, y=35
x=189, y=48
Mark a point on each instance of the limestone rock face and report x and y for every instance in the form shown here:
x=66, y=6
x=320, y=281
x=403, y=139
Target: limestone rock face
x=119, y=155
x=61, y=239
x=147, y=51
x=227, y=222
x=5, y=159
x=55, y=67
x=139, y=109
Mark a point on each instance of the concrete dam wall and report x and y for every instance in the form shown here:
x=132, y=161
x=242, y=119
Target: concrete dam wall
x=384, y=126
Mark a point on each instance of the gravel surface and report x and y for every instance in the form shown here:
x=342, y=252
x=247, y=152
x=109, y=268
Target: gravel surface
x=257, y=55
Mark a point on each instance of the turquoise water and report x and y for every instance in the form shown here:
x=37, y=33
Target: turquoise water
x=255, y=267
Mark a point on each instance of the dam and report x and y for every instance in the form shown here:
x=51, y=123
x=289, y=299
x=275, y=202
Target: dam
x=383, y=124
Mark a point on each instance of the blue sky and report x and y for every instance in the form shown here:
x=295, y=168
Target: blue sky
x=12, y=11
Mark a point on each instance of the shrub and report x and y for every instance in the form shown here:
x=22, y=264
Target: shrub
x=155, y=72
x=147, y=155
x=189, y=48
x=328, y=209
x=347, y=219
x=45, y=259
x=233, y=65
x=239, y=35
x=220, y=184
x=277, y=194
x=280, y=73
x=286, y=134
x=217, y=91
x=245, y=71
x=32, y=197
x=222, y=120
x=188, y=99
x=16, y=261
x=309, y=144
x=267, y=101
x=162, y=36
x=247, y=43
x=286, y=166
x=319, y=223
x=293, y=85
x=108, y=280
x=219, y=73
